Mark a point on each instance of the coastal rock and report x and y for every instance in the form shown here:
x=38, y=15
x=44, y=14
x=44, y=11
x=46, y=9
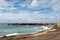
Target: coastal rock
x=58, y=25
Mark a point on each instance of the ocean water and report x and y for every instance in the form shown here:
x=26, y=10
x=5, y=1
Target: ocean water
x=19, y=29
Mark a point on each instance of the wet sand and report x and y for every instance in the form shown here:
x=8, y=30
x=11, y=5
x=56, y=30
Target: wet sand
x=52, y=34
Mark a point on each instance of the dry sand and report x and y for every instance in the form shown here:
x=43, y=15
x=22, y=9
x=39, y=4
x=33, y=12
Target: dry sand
x=53, y=34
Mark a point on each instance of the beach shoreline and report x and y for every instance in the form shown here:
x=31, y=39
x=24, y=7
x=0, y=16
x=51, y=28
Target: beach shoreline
x=46, y=28
x=29, y=35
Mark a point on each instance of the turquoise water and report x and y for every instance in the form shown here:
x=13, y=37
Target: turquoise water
x=21, y=29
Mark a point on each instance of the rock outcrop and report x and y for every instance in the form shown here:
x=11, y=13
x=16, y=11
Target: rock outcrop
x=58, y=25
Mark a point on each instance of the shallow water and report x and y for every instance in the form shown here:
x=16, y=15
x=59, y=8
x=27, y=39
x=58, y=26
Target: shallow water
x=20, y=29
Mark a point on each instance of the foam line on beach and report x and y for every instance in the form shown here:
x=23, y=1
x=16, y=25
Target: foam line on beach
x=12, y=34
x=1, y=36
x=45, y=28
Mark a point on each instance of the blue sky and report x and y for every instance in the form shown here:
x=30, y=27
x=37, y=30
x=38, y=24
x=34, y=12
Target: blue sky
x=29, y=11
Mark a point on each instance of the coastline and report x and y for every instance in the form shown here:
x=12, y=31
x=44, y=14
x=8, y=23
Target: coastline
x=45, y=29
x=29, y=35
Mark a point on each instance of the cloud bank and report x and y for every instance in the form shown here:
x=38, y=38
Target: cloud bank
x=30, y=11
x=28, y=17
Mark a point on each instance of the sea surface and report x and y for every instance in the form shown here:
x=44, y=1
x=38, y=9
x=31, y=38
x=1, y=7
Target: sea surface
x=6, y=29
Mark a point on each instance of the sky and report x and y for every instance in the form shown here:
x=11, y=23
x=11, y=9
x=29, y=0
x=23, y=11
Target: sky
x=29, y=11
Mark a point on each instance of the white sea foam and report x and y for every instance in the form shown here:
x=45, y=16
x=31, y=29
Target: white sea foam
x=46, y=27
x=23, y=30
x=1, y=36
x=12, y=34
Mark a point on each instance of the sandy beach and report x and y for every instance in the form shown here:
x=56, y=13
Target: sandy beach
x=52, y=34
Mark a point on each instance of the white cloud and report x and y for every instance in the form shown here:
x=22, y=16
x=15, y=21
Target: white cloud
x=54, y=4
x=39, y=3
x=34, y=3
x=6, y=5
x=3, y=3
x=36, y=16
x=28, y=17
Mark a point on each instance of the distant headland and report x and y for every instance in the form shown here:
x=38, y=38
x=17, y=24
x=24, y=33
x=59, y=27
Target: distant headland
x=31, y=23
x=41, y=24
